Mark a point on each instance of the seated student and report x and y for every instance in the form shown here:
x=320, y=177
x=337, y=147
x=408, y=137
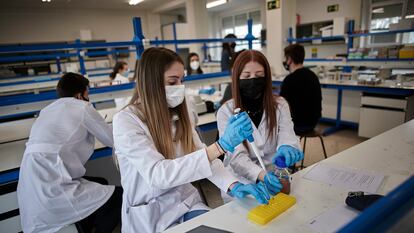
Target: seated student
x=193, y=64
x=159, y=152
x=52, y=192
x=120, y=72
x=302, y=90
x=272, y=129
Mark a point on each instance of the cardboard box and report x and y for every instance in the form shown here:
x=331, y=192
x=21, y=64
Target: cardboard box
x=327, y=33
x=406, y=52
x=339, y=26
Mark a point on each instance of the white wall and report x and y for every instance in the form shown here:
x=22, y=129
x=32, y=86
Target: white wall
x=278, y=23
x=40, y=25
x=315, y=10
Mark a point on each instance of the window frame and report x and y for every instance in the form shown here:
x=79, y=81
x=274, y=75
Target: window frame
x=399, y=38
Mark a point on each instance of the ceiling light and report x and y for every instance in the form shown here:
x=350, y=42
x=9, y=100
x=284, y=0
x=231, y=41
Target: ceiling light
x=378, y=10
x=215, y=3
x=46, y=0
x=409, y=17
x=135, y=2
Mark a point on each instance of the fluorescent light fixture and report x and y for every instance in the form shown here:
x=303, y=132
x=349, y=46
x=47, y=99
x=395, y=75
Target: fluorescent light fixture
x=46, y=0
x=215, y=3
x=409, y=17
x=135, y=2
x=378, y=11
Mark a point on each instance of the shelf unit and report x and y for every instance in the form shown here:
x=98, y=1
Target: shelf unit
x=385, y=62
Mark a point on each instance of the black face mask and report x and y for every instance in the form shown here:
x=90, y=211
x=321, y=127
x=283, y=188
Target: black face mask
x=285, y=65
x=252, y=88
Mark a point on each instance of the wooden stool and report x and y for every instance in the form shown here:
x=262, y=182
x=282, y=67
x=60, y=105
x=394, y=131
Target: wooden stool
x=313, y=134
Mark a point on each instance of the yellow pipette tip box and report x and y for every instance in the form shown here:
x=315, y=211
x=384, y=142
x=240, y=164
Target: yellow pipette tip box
x=278, y=204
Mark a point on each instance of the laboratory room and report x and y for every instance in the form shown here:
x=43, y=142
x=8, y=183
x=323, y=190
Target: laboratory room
x=209, y=116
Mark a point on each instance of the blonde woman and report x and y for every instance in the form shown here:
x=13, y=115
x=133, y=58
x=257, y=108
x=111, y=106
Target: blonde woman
x=160, y=154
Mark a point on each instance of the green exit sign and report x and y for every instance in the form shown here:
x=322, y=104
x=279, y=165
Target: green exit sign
x=275, y=4
x=333, y=8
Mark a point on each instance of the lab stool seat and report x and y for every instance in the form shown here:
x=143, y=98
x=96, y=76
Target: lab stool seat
x=312, y=134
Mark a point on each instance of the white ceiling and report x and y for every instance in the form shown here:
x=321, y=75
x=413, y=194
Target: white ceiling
x=231, y=4
x=108, y=4
x=83, y=4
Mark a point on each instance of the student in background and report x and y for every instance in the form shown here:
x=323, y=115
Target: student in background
x=120, y=72
x=302, y=90
x=52, y=190
x=120, y=75
x=159, y=152
x=193, y=64
x=272, y=129
x=227, y=52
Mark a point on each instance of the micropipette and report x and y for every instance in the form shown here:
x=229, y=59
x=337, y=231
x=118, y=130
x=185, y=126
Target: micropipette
x=250, y=139
x=253, y=145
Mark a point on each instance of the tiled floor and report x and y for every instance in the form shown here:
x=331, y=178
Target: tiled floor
x=334, y=143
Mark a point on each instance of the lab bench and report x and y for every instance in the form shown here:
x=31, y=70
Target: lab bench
x=314, y=198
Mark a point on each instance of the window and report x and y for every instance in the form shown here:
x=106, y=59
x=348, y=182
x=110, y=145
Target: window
x=228, y=25
x=237, y=25
x=383, y=13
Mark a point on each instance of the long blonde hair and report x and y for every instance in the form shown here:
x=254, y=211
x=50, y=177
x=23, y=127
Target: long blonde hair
x=149, y=101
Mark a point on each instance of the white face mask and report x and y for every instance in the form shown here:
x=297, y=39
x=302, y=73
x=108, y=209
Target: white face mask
x=194, y=65
x=175, y=95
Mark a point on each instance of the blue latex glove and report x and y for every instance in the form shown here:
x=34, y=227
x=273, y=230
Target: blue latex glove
x=258, y=191
x=239, y=128
x=208, y=91
x=287, y=156
x=272, y=183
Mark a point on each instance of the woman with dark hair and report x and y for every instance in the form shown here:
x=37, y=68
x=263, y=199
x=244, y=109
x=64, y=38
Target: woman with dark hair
x=193, y=64
x=273, y=126
x=120, y=72
x=227, y=52
x=160, y=153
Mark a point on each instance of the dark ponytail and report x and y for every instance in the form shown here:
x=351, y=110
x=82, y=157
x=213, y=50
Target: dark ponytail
x=119, y=65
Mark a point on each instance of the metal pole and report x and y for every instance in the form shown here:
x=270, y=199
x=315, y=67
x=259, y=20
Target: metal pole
x=175, y=37
x=249, y=37
x=59, y=67
x=138, y=36
x=80, y=58
x=205, y=51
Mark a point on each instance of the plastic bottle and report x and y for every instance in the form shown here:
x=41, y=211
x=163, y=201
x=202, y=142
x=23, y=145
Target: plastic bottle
x=284, y=178
x=283, y=174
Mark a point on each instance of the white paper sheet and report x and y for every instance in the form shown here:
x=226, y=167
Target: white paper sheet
x=345, y=177
x=333, y=219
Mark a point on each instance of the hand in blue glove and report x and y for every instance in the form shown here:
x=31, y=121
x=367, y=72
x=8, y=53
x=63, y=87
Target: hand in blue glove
x=239, y=128
x=207, y=91
x=258, y=191
x=287, y=156
x=272, y=183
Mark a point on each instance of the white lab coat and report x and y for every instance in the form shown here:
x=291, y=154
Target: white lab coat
x=51, y=191
x=121, y=102
x=241, y=163
x=157, y=191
